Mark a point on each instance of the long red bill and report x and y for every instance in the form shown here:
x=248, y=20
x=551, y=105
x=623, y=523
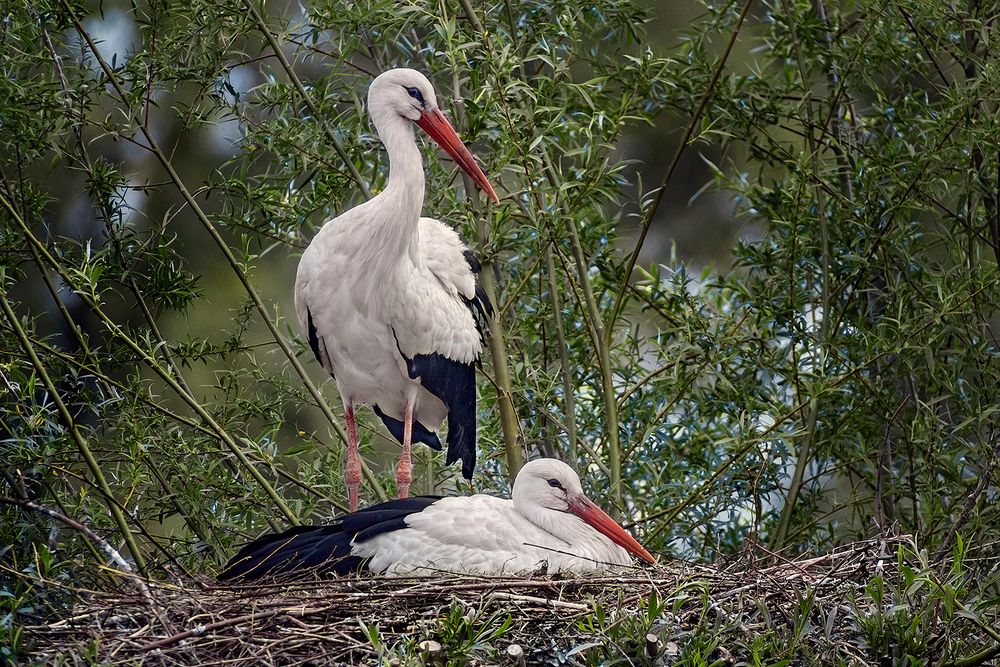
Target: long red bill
x=436, y=124
x=584, y=508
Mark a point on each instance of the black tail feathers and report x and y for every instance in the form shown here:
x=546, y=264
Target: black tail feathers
x=319, y=551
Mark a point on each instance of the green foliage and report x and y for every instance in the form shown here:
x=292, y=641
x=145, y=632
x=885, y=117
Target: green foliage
x=840, y=380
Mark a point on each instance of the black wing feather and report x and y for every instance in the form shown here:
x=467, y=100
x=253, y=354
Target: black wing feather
x=420, y=433
x=321, y=550
x=314, y=339
x=455, y=384
x=480, y=304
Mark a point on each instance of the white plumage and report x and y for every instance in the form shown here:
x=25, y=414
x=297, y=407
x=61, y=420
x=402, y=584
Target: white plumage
x=548, y=526
x=389, y=299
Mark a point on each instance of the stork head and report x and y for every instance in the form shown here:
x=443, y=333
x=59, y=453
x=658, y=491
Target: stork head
x=547, y=486
x=407, y=93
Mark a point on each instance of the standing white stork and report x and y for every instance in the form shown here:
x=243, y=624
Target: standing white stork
x=549, y=525
x=389, y=300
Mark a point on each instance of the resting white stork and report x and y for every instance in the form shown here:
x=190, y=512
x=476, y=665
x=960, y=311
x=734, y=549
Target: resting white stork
x=389, y=300
x=549, y=525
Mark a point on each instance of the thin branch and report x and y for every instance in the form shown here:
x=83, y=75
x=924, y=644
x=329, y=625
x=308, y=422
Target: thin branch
x=228, y=254
x=71, y=427
x=688, y=133
x=113, y=555
x=509, y=424
x=290, y=71
x=153, y=364
x=569, y=392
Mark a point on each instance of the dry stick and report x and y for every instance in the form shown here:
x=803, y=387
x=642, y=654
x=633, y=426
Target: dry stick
x=113, y=555
x=154, y=148
x=544, y=602
x=96, y=540
x=153, y=365
x=688, y=133
x=71, y=426
x=211, y=627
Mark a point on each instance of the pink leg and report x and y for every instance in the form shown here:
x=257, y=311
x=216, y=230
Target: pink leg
x=352, y=469
x=404, y=472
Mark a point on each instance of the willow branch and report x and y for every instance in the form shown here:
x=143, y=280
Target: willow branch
x=71, y=427
x=688, y=133
x=153, y=364
x=226, y=251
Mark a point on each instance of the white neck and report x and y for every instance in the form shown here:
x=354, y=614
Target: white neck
x=406, y=169
x=403, y=198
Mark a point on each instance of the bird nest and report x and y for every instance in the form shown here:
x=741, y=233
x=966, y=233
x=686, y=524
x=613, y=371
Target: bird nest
x=650, y=615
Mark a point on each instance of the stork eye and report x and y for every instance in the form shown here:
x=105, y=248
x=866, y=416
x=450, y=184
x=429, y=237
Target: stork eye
x=555, y=483
x=416, y=94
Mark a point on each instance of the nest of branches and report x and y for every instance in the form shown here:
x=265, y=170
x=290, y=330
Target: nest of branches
x=649, y=615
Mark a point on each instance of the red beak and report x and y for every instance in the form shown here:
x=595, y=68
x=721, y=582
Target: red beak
x=436, y=124
x=584, y=508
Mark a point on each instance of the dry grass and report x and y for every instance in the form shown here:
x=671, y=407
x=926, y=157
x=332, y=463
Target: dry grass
x=650, y=615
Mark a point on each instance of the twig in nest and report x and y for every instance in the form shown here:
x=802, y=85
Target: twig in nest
x=545, y=602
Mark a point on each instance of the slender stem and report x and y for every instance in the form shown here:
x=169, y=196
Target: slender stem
x=795, y=485
x=979, y=658
x=501, y=375
x=190, y=423
x=74, y=431
x=290, y=71
x=81, y=340
x=688, y=133
x=87, y=532
x=153, y=364
x=226, y=251
x=509, y=425
x=470, y=13
x=602, y=345
x=569, y=393
x=858, y=371
x=804, y=454
x=172, y=495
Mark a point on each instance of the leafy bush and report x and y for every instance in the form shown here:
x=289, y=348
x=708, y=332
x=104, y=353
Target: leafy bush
x=163, y=164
